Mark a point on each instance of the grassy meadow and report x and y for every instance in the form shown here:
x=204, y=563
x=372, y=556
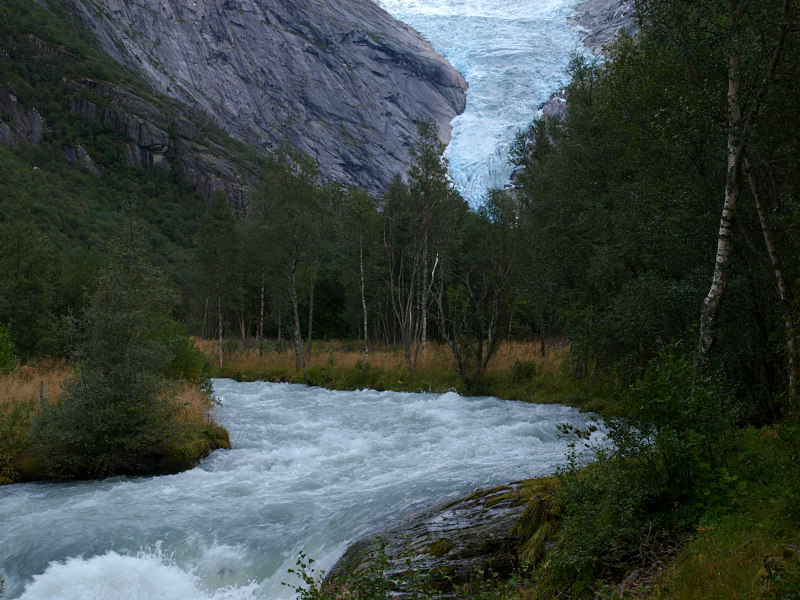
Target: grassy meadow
x=25, y=391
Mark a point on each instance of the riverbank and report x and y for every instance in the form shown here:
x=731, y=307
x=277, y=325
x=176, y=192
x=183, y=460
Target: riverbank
x=29, y=388
x=614, y=515
x=517, y=542
x=525, y=371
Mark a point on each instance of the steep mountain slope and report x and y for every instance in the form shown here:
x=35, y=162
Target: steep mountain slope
x=82, y=138
x=341, y=79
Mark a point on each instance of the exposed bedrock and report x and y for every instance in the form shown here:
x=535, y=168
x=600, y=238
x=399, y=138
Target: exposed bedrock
x=342, y=79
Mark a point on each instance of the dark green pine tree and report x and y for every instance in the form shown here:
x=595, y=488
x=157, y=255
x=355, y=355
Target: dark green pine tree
x=114, y=414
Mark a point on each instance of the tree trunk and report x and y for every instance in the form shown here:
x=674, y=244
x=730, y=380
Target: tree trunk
x=425, y=288
x=737, y=137
x=709, y=315
x=299, y=359
x=784, y=291
x=310, y=312
x=205, y=316
x=260, y=332
x=363, y=298
x=219, y=328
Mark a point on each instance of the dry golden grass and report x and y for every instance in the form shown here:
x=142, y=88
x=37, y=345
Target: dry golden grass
x=195, y=433
x=349, y=355
x=28, y=381
x=508, y=353
x=193, y=404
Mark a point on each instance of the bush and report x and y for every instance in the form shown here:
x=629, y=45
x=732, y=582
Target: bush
x=188, y=361
x=663, y=467
x=8, y=357
x=523, y=371
x=114, y=416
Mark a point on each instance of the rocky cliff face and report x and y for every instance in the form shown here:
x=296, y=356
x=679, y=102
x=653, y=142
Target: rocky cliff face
x=21, y=123
x=163, y=140
x=603, y=20
x=341, y=79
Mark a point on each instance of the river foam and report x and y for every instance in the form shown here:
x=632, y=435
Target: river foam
x=513, y=54
x=311, y=470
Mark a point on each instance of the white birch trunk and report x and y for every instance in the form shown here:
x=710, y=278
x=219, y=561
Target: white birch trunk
x=363, y=297
x=260, y=331
x=219, y=328
x=709, y=315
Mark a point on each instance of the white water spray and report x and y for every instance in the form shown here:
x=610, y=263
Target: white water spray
x=312, y=470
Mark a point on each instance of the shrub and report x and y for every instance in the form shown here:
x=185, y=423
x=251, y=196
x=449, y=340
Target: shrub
x=665, y=464
x=8, y=357
x=188, y=361
x=523, y=371
x=114, y=414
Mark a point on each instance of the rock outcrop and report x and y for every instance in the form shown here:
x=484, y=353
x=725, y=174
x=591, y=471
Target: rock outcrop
x=446, y=546
x=341, y=79
x=17, y=122
x=77, y=155
x=158, y=137
x=603, y=20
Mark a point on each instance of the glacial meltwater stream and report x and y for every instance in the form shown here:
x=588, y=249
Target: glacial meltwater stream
x=513, y=54
x=311, y=470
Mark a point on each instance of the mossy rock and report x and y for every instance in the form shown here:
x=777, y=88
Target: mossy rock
x=184, y=452
x=446, y=545
x=441, y=547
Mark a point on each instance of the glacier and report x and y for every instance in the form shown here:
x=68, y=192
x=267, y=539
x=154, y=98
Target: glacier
x=513, y=54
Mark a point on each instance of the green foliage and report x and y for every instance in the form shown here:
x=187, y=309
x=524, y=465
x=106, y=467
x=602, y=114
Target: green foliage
x=8, y=358
x=26, y=283
x=114, y=414
x=188, y=361
x=621, y=199
x=667, y=464
x=523, y=370
x=365, y=584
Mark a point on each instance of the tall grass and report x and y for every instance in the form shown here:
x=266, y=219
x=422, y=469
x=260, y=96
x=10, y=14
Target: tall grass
x=517, y=371
x=27, y=382
x=24, y=391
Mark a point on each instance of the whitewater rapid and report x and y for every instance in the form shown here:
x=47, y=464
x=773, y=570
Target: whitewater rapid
x=311, y=470
x=513, y=54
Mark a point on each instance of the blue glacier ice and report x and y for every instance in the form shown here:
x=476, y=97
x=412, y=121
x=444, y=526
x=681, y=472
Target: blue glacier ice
x=513, y=54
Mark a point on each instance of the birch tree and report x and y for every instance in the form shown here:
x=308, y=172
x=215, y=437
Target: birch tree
x=291, y=201
x=743, y=106
x=362, y=231
x=430, y=191
x=217, y=249
x=470, y=286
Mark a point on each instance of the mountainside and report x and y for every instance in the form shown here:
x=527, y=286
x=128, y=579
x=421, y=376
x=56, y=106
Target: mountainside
x=343, y=80
x=602, y=20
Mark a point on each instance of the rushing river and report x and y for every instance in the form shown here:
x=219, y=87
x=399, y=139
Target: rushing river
x=311, y=470
x=513, y=54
